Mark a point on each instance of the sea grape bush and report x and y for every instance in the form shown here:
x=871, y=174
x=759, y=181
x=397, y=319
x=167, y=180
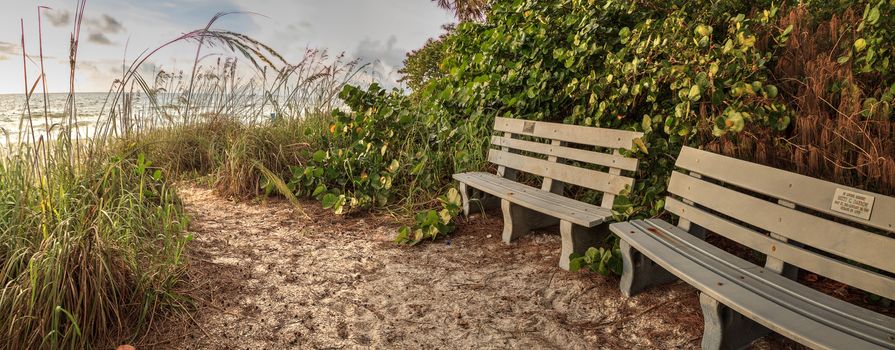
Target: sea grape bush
x=680, y=72
x=599, y=260
x=874, y=47
x=423, y=64
x=666, y=69
x=358, y=162
x=683, y=73
x=431, y=224
x=872, y=53
x=381, y=147
x=669, y=70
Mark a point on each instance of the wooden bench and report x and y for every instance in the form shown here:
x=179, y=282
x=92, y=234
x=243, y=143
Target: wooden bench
x=796, y=222
x=521, y=147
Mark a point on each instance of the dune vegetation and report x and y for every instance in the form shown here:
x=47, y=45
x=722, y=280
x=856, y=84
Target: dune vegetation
x=92, y=234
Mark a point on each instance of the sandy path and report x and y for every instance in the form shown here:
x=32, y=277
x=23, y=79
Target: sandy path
x=269, y=279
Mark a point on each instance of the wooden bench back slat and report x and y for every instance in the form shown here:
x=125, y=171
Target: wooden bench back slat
x=845, y=241
x=581, y=155
x=608, y=198
x=502, y=171
x=849, y=274
x=551, y=185
x=804, y=191
x=583, y=135
x=592, y=179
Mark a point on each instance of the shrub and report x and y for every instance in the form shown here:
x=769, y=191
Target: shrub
x=727, y=76
x=383, y=150
x=431, y=224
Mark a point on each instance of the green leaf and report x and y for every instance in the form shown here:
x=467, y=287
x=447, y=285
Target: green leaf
x=319, y=156
x=746, y=41
x=873, y=16
x=623, y=34
x=647, y=123
x=703, y=30
x=403, y=235
x=339, y=207
x=734, y=121
x=445, y=216
x=771, y=91
x=641, y=145
x=394, y=166
x=660, y=204
x=453, y=197
x=575, y=264
x=695, y=93
x=321, y=188
x=329, y=200
x=430, y=218
x=860, y=44
x=418, y=168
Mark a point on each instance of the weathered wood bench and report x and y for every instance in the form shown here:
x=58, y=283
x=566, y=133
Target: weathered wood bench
x=796, y=222
x=527, y=208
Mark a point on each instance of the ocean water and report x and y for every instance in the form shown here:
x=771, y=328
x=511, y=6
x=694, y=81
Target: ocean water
x=91, y=108
x=14, y=112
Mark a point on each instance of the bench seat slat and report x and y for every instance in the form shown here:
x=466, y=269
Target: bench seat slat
x=845, y=241
x=552, y=204
x=785, y=306
x=581, y=155
x=543, y=200
x=592, y=179
x=609, y=138
x=802, y=190
x=811, y=261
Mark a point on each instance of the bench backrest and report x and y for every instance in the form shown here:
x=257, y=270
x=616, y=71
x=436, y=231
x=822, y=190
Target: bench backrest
x=789, y=218
x=553, y=141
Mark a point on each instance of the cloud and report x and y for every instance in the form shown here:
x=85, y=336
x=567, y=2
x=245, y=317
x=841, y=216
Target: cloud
x=8, y=48
x=105, y=25
x=375, y=50
x=99, y=73
x=303, y=26
x=99, y=38
x=58, y=18
x=386, y=59
x=100, y=28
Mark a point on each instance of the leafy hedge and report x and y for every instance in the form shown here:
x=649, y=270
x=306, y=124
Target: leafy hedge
x=678, y=71
x=684, y=73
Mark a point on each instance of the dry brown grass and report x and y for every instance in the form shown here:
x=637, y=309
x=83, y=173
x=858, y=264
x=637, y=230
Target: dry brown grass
x=830, y=137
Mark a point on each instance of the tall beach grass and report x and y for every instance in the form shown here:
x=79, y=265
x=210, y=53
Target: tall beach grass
x=92, y=234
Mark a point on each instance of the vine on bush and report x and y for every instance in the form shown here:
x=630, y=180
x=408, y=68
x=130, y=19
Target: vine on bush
x=431, y=224
x=599, y=260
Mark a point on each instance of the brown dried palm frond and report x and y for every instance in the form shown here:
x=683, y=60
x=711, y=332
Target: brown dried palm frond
x=466, y=10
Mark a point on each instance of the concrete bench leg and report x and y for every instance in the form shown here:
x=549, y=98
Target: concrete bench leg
x=519, y=221
x=726, y=328
x=639, y=272
x=476, y=202
x=577, y=239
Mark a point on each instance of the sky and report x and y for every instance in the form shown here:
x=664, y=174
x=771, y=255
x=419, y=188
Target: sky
x=380, y=32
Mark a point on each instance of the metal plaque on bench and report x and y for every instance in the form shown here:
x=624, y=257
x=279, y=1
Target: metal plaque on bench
x=852, y=203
